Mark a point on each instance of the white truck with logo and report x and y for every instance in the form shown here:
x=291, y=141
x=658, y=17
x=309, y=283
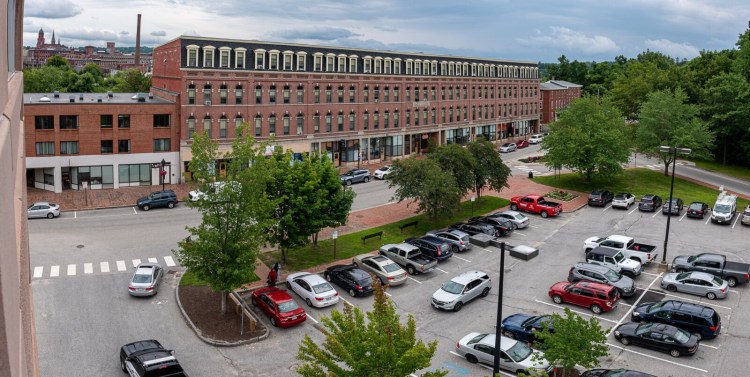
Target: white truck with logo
x=724, y=208
x=639, y=252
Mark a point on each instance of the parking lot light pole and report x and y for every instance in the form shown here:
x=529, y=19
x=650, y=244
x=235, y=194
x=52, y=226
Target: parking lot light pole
x=674, y=151
x=499, y=320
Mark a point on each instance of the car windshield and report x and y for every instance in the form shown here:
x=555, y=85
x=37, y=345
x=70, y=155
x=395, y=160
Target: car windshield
x=384, y=168
x=322, y=288
x=696, y=206
x=691, y=258
x=683, y=276
x=681, y=336
x=142, y=278
x=722, y=208
x=718, y=281
x=519, y=351
x=453, y=287
x=506, y=145
x=621, y=196
x=151, y=196
x=642, y=329
x=366, y=282
x=655, y=307
x=287, y=306
x=612, y=276
x=619, y=257
x=391, y=267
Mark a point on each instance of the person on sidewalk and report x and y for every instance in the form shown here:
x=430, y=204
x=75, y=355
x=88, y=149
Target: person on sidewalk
x=272, y=276
x=277, y=268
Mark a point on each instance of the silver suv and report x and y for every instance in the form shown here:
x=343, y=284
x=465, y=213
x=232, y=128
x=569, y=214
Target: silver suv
x=458, y=240
x=461, y=289
x=602, y=274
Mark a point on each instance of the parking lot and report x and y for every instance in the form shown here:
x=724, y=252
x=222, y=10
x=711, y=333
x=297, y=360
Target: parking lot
x=560, y=241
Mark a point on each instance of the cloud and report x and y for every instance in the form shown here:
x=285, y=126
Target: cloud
x=313, y=33
x=47, y=9
x=124, y=33
x=191, y=33
x=568, y=39
x=159, y=33
x=673, y=49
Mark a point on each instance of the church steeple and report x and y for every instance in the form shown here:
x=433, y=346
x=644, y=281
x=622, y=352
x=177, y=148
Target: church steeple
x=40, y=39
x=53, y=37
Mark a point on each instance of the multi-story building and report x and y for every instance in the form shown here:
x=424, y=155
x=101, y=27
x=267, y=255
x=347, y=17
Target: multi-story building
x=556, y=95
x=18, y=356
x=355, y=105
x=100, y=140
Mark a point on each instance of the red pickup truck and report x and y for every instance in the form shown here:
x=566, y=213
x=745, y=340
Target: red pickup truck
x=535, y=204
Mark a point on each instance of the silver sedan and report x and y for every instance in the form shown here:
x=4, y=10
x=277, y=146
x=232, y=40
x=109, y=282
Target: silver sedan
x=518, y=219
x=515, y=356
x=146, y=279
x=697, y=283
x=43, y=209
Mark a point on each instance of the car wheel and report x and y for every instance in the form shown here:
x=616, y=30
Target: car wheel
x=711, y=296
x=50, y=215
x=122, y=365
x=625, y=341
x=485, y=292
x=309, y=303
x=454, y=249
x=411, y=270
x=513, y=207
x=170, y=205
x=545, y=214
x=288, y=286
x=732, y=281
x=557, y=299
x=352, y=293
x=509, y=335
x=458, y=306
x=587, y=250
x=471, y=358
x=146, y=207
x=596, y=309
x=674, y=353
x=349, y=182
x=671, y=288
x=273, y=322
x=328, y=277
x=367, y=179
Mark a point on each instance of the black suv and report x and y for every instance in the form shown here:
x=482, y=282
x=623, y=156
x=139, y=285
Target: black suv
x=354, y=176
x=649, y=202
x=504, y=226
x=476, y=228
x=357, y=282
x=432, y=246
x=600, y=198
x=677, y=205
x=147, y=358
x=698, y=319
x=166, y=198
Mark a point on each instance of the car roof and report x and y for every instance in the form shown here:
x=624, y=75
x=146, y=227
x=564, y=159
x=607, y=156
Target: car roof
x=510, y=212
x=278, y=295
x=43, y=203
x=689, y=307
x=623, y=194
x=432, y=239
x=592, y=267
x=604, y=250
x=468, y=276
x=648, y=196
x=594, y=286
x=701, y=275
x=489, y=340
x=146, y=268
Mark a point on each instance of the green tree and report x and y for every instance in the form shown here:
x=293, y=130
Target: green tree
x=632, y=87
x=742, y=62
x=589, y=138
x=222, y=250
x=488, y=169
x=424, y=181
x=378, y=346
x=456, y=160
x=82, y=83
x=58, y=62
x=667, y=120
x=333, y=201
x=727, y=108
x=131, y=81
x=575, y=341
x=47, y=79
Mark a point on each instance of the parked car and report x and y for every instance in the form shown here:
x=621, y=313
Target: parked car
x=698, y=319
x=146, y=279
x=386, y=270
x=352, y=279
x=724, y=208
x=355, y=176
x=312, y=289
x=43, y=209
x=163, y=198
x=504, y=227
x=535, y=204
x=523, y=326
x=458, y=240
x=454, y=293
x=476, y=228
x=649, y=202
x=507, y=147
x=676, y=206
x=197, y=194
x=658, y=336
x=432, y=246
x=623, y=200
x=746, y=216
x=409, y=257
x=614, y=373
x=536, y=139
x=518, y=219
x=697, y=210
x=641, y=252
x=615, y=260
x=279, y=306
x=595, y=296
x=522, y=144
x=147, y=358
x=715, y=264
x=600, y=197
x=697, y=283
x=515, y=356
x=383, y=172
x=604, y=275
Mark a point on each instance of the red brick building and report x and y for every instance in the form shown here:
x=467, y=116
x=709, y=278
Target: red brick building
x=556, y=95
x=355, y=105
x=99, y=140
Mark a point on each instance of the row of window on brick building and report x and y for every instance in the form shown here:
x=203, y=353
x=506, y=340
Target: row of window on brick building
x=342, y=95
x=47, y=148
x=70, y=122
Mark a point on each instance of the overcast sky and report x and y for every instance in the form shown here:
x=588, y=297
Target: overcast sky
x=533, y=30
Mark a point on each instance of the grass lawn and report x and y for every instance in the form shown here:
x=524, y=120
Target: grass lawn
x=639, y=182
x=730, y=170
x=349, y=245
x=190, y=279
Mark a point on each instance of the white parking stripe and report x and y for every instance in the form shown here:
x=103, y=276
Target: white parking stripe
x=649, y=273
x=520, y=233
x=683, y=216
x=655, y=213
x=71, y=270
x=134, y=211
x=419, y=282
x=38, y=271
x=610, y=206
x=706, y=345
x=634, y=304
x=311, y=317
x=346, y=302
x=153, y=260
x=465, y=260
x=708, y=219
x=690, y=299
x=170, y=262
x=136, y=262
x=736, y=218
x=634, y=209
x=88, y=268
x=575, y=311
x=657, y=358
x=54, y=271
x=120, y=265
x=104, y=266
x=443, y=271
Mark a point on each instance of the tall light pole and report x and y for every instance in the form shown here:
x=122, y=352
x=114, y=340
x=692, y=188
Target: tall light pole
x=673, y=151
x=499, y=320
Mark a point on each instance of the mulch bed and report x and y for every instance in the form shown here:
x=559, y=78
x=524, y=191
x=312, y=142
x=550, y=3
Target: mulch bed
x=203, y=307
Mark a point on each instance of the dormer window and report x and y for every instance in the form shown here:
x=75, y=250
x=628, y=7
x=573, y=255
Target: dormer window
x=208, y=56
x=260, y=58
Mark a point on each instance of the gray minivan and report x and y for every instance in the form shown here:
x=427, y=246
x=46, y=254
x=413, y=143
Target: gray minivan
x=602, y=274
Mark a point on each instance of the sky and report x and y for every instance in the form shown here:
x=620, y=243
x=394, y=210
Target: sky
x=528, y=30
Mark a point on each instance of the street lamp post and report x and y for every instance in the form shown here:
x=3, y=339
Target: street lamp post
x=334, y=236
x=162, y=173
x=499, y=319
x=673, y=151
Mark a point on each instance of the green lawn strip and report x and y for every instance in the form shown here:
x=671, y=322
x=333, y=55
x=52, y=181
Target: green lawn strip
x=349, y=245
x=730, y=170
x=639, y=182
x=191, y=279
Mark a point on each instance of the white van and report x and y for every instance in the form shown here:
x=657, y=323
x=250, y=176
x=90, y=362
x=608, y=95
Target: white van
x=725, y=207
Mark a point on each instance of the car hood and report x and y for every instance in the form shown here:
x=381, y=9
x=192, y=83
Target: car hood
x=143, y=199
x=444, y=296
x=669, y=278
x=624, y=283
x=642, y=309
x=516, y=320
x=629, y=264
x=628, y=328
x=682, y=259
x=535, y=360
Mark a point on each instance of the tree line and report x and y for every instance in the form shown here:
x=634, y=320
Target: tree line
x=58, y=75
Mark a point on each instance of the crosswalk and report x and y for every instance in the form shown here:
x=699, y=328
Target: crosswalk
x=38, y=272
x=527, y=169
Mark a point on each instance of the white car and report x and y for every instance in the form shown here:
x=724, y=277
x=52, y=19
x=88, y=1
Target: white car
x=313, y=289
x=536, y=139
x=461, y=289
x=623, y=200
x=43, y=209
x=515, y=356
x=383, y=172
x=518, y=219
x=197, y=194
x=507, y=147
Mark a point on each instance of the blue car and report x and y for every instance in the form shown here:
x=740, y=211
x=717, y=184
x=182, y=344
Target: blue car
x=522, y=326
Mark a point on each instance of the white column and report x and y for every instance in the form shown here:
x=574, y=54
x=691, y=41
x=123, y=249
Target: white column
x=58, y=178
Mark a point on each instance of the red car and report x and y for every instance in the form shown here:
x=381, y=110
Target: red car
x=535, y=204
x=596, y=296
x=279, y=306
x=522, y=144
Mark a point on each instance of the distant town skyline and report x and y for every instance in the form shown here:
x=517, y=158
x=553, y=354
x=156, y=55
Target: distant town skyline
x=533, y=30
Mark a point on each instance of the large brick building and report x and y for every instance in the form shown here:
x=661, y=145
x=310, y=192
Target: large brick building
x=556, y=95
x=98, y=140
x=355, y=105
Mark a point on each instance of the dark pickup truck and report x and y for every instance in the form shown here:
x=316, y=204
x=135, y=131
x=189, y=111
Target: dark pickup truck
x=147, y=358
x=714, y=264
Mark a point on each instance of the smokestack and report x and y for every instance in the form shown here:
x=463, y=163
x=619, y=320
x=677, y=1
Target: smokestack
x=138, y=43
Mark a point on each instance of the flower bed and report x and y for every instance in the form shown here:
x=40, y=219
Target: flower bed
x=560, y=195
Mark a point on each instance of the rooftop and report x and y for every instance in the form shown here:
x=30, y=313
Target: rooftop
x=91, y=98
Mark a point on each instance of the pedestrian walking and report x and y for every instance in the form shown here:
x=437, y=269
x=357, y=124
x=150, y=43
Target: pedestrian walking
x=277, y=267
x=272, y=276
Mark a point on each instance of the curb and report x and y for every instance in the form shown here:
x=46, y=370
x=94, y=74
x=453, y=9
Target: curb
x=210, y=341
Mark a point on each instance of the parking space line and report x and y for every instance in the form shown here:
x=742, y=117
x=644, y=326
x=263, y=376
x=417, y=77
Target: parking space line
x=634, y=209
x=734, y=291
x=700, y=302
x=655, y=213
x=136, y=262
x=71, y=270
x=634, y=304
x=120, y=265
x=152, y=260
x=134, y=211
x=170, y=262
x=708, y=219
x=54, y=271
x=75, y=214
x=479, y=364
x=419, y=282
x=610, y=206
x=706, y=345
x=650, y=273
x=104, y=266
x=346, y=302
x=736, y=218
x=88, y=268
x=520, y=233
x=311, y=317
x=575, y=311
x=683, y=216
x=443, y=271
x=38, y=271
x=465, y=260
x=657, y=358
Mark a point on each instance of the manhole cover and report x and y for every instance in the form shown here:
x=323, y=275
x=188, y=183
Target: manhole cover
x=80, y=246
